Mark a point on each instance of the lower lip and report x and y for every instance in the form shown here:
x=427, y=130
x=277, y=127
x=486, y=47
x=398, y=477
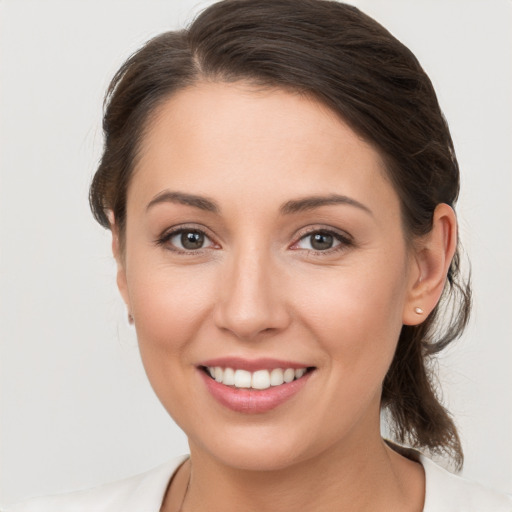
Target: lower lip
x=253, y=401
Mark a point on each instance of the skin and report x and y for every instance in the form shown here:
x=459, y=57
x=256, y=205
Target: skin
x=256, y=289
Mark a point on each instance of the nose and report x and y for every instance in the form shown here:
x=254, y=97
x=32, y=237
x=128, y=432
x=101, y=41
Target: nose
x=251, y=300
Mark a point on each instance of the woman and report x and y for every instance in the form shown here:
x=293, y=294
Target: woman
x=279, y=182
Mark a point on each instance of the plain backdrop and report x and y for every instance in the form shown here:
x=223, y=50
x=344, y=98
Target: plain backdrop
x=76, y=409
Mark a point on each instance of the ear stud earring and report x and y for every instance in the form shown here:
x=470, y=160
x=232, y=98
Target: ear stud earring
x=418, y=311
x=130, y=319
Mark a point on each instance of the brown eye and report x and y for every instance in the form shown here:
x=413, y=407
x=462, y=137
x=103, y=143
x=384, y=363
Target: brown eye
x=319, y=241
x=185, y=240
x=191, y=240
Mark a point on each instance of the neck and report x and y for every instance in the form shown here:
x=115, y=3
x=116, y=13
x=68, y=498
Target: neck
x=366, y=477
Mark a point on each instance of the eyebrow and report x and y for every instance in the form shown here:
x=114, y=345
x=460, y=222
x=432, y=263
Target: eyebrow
x=312, y=202
x=288, y=208
x=200, y=202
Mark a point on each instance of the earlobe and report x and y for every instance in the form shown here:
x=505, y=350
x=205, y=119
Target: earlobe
x=432, y=260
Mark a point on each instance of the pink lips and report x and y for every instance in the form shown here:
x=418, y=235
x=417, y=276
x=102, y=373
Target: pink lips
x=252, y=401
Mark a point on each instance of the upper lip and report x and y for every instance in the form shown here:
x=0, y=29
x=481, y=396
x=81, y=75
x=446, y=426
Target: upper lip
x=252, y=365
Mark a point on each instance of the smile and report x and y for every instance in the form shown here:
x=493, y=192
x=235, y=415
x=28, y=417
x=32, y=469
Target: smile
x=251, y=387
x=260, y=379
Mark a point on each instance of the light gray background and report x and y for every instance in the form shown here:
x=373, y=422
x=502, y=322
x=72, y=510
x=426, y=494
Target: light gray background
x=76, y=409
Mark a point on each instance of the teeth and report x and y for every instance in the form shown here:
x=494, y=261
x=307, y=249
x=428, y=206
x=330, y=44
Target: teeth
x=229, y=377
x=289, y=374
x=300, y=372
x=242, y=379
x=260, y=379
x=276, y=377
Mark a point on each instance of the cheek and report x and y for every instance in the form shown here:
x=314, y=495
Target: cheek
x=355, y=319
x=169, y=307
x=355, y=313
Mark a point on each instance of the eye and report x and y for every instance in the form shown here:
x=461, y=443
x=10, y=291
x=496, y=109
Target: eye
x=319, y=241
x=322, y=241
x=185, y=240
x=189, y=240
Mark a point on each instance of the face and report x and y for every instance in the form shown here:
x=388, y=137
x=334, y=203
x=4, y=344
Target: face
x=264, y=245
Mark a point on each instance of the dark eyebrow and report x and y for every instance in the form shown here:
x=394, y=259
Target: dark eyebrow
x=312, y=202
x=290, y=207
x=182, y=198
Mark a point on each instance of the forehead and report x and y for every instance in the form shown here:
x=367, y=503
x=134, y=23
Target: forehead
x=217, y=138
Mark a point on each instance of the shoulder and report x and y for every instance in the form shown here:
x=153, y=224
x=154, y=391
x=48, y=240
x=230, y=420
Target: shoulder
x=446, y=492
x=141, y=492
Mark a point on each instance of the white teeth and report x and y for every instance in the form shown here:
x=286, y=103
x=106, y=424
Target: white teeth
x=242, y=379
x=300, y=372
x=260, y=379
x=289, y=374
x=229, y=377
x=276, y=377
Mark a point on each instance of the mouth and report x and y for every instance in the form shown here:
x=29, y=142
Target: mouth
x=256, y=380
x=253, y=386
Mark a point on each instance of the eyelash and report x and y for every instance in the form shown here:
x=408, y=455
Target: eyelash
x=345, y=241
x=164, y=239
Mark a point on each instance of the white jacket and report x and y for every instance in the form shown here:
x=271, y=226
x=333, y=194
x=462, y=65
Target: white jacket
x=445, y=492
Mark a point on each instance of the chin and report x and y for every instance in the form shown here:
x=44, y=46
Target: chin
x=260, y=448
x=258, y=459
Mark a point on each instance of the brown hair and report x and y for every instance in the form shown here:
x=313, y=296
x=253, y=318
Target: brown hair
x=348, y=61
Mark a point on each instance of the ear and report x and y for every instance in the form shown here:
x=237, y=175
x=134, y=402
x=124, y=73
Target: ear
x=431, y=260
x=119, y=257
